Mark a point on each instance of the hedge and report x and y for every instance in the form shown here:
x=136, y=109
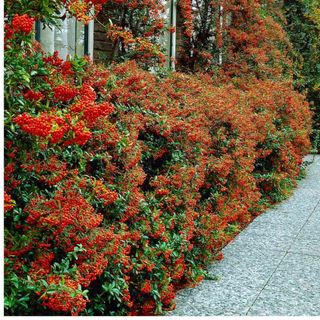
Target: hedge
x=121, y=186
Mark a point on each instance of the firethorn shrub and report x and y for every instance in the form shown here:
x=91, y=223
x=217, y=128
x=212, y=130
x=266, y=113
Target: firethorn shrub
x=121, y=186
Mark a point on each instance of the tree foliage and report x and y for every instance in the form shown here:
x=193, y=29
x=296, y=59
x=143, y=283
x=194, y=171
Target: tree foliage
x=303, y=28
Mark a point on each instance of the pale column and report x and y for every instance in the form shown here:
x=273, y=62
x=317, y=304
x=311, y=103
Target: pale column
x=47, y=38
x=71, y=36
x=91, y=38
x=61, y=38
x=173, y=35
x=79, y=30
x=221, y=31
x=168, y=40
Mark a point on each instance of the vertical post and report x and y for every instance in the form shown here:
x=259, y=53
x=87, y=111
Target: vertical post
x=81, y=37
x=47, y=39
x=221, y=34
x=76, y=37
x=90, y=38
x=172, y=35
x=71, y=36
x=64, y=39
x=61, y=36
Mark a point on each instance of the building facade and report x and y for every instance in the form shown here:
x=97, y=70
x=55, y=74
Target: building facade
x=71, y=37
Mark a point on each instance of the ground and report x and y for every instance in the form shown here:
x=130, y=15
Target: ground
x=272, y=268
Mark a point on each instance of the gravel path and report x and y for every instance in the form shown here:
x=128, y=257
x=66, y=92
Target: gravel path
x=272, y=268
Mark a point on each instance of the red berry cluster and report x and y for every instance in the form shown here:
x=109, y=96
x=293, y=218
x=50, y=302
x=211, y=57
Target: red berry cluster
x=22, y=24
x=8, y=202
x=33, y=95
x=64, y=93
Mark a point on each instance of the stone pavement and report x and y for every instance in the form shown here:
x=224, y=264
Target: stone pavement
x=272, y=268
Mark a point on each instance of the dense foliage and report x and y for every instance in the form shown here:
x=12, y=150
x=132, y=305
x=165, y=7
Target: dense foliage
x=303, y=25
x=303, y=28
x=121, y=186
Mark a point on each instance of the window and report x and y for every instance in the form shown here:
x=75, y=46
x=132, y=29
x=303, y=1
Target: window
x=69, y=37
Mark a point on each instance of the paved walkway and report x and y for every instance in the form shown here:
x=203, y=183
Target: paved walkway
x=272, y=267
